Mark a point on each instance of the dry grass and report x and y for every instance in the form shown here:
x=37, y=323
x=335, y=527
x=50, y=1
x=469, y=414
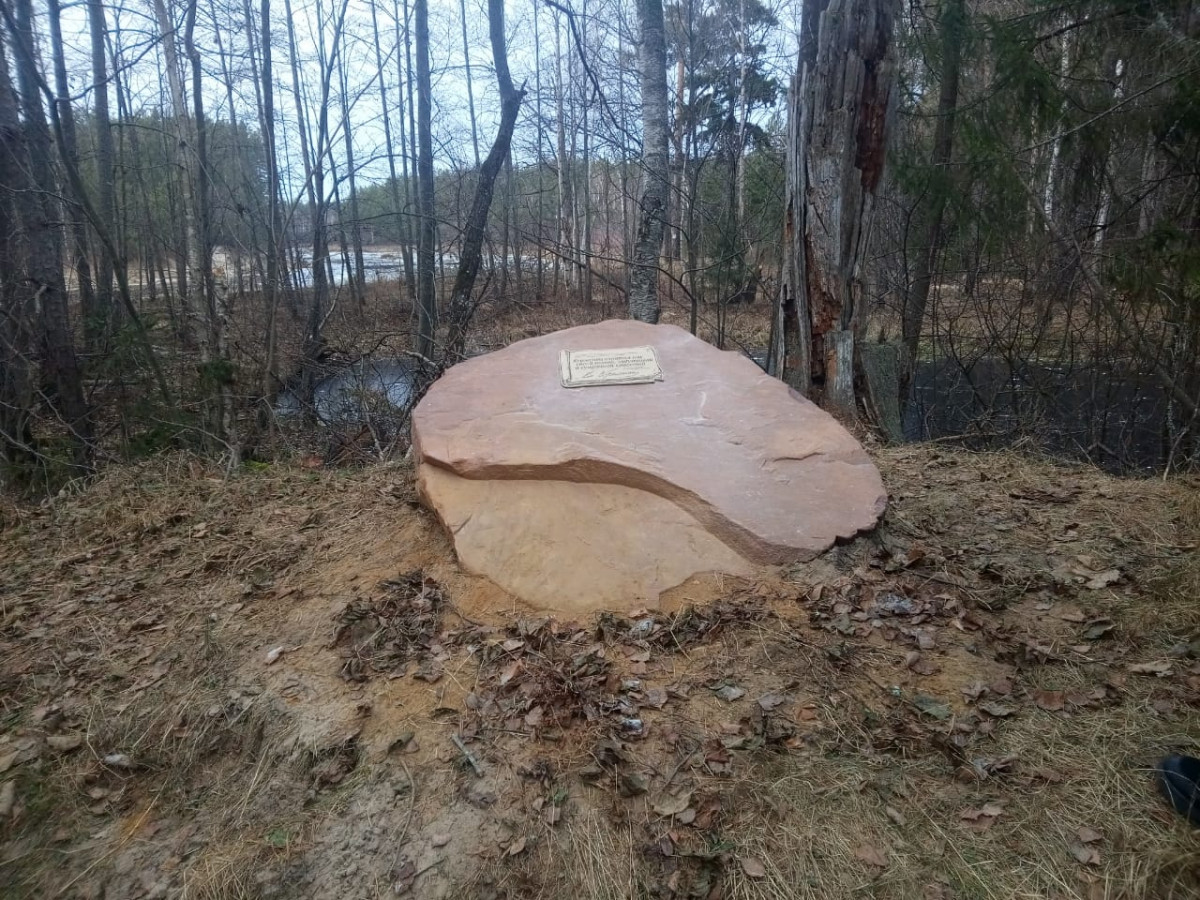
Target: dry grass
x=138, y=613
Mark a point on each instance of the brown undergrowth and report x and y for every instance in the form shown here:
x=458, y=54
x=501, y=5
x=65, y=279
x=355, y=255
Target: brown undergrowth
x=281, y=685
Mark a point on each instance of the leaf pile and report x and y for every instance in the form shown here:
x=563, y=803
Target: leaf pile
x=384, y=634
x=543, y=674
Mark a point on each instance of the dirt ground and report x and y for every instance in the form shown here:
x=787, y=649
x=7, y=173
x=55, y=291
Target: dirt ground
x=281, y=685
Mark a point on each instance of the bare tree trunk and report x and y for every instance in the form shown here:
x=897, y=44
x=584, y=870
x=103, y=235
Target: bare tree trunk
x=541, y=160
x=513, y=218
x=77, y=229
x=105, y=168
x=191, y=276
x=18, y=446
x=273, y=286
x=403, y=88
x=218, y=367
x=426, y=296
x=626, y=198
x=461, y=306
x=643, y=280
x=462, y=7
x=952, y=26
x=1052, y=171
x=1104, y=211
x=393, y=182
x=585, y=247
x=566, y=240
x=675, y=233
x=60, y=365
x=409, y=82
x=843, y=109
x=742, y=127
x=356, y=243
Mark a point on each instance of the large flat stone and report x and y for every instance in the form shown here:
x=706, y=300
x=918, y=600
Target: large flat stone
x=762, y=469
x=572, y=548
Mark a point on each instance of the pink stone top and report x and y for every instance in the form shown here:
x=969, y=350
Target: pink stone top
x=762, y=468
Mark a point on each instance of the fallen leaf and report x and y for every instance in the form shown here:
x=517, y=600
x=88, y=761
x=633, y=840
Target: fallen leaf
x=552, y=814
x=975, y=690
x=405, y=876
x=516, y=846
x=896, y=816
x=1089, y=856
x=1001, y=686
x=706, y=816
x=1070, y=614
x=1050, y=776
x=118, y=761
x=8, y=798
x=671, y=805
x=980, y=820
x=769, y=702
x=1103, y=579
x=509, y=672
x=64, y=743
x=931, y=707
x=871, y=855
x=273, y=655
x=1097, y=629
x=919, y=664
x=752, y=867
x=632, y=784
x=1160, y=667
x=1051, y=701
x=730, y=693
x=429, y=671
x=1089, y=835
x=655, y=698
x=997, y=709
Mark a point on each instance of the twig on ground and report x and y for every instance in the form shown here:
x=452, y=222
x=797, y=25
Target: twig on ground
x=467, y=754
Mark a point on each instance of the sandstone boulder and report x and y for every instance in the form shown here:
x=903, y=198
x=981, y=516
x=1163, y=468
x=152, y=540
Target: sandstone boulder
x=603, y=496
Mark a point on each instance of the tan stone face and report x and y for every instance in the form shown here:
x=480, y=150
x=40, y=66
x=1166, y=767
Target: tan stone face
x=603, y=492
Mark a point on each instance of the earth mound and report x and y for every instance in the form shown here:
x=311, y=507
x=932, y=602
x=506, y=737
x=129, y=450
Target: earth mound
x=605, y=495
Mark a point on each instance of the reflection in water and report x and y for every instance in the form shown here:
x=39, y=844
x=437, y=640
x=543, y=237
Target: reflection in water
x=1113, y=416
x=370, y=387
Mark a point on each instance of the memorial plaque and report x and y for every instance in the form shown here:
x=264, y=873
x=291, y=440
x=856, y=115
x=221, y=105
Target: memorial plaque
x=624, y=365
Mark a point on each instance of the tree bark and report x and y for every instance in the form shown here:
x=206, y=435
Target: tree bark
x=105, y=155
x=461, y=305
x=356, y=243
x=426, y=237
x=189, y=263
x=952, y=26
x=566, y=238
x=218, y=370
x=643, y=280
x=393, y=180
x=77, y=229
x=840, y=114
x=60, y=365
x=18, y=446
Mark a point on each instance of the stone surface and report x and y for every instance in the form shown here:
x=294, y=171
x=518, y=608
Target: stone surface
x=572, y=548
x=618, y=488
